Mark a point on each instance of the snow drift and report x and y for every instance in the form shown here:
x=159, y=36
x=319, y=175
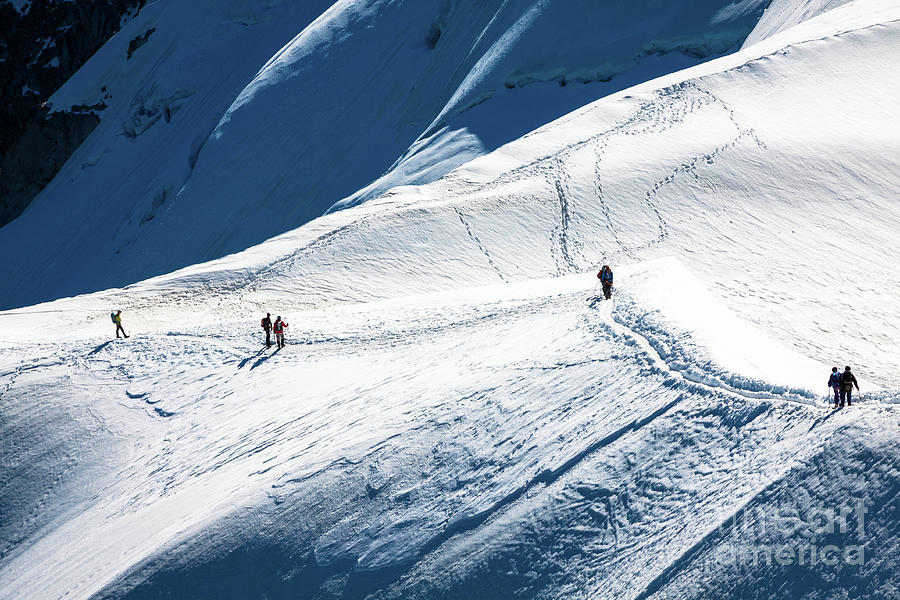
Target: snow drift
x=457, y=415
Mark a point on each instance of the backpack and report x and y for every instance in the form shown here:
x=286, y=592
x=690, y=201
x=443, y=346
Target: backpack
x=113, y=317
x=834, y=380
x=847, y=381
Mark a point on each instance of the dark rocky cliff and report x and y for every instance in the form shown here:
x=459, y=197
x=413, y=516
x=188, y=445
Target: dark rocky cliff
x=40, y=48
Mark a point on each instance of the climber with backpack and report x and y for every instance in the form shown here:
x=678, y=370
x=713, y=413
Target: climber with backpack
x=117, y=319
x=278, y=327
x=847, y=381
x=834, y=382
x=606, y=279
x=266, y=324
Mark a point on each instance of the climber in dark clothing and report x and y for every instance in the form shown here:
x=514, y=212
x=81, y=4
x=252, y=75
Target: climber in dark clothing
x=606, y=279
x=847, y=383
x=834, y=382
x=266, y=324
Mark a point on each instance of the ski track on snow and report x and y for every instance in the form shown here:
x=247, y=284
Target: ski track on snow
x=647, y=118
x=68, y=464
x=667, y=108
x=208, y=362
x=228, y=353
x=480, y=246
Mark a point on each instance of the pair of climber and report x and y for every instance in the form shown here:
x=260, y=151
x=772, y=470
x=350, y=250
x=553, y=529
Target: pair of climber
x=842, y=384
x=606, y=280
x=277, y=328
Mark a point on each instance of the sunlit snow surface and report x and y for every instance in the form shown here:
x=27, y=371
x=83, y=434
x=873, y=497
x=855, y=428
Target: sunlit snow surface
x=457, y=415
x=239, y=120
x=527, y=439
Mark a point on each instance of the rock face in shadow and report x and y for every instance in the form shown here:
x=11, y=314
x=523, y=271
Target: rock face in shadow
x=39, y=50
x=36, y=157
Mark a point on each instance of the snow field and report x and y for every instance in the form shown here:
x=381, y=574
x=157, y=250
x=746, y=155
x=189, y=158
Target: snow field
x=238, y=121
x=389, y=440
x=703, y=168
x=456, y=414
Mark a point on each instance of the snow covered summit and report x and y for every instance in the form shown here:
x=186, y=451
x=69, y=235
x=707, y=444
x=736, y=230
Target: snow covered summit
x=231, y=122
x=457, y=414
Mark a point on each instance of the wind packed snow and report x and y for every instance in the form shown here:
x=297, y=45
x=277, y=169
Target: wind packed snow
x=458, y=413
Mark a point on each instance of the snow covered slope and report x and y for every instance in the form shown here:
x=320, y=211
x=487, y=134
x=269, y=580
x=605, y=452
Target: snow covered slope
x=221, y=131
x=783, y=14
x=702, y=165
x=457, y=416
x=505, y=441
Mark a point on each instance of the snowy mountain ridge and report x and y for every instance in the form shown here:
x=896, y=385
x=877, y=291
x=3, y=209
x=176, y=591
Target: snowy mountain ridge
x=457, y=414
x=376, y=235
x=228, y=522
x=298, y=130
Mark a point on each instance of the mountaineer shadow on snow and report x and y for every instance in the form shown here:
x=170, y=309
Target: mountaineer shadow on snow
x=99, y=348
x=263, y=358
x=595, y=301
x=244, y=362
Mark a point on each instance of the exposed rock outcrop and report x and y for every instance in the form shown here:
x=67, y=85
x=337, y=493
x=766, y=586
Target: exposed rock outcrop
x=39, y=50
x=38, y=154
